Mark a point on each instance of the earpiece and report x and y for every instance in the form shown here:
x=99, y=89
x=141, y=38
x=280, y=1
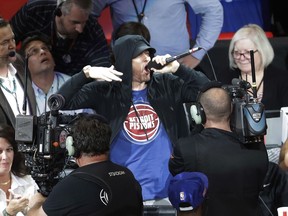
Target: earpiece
x=196, y=110
x=58, y=11
x=75, y=151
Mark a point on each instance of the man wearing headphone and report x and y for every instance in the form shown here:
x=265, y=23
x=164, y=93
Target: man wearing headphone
x=76, y=37
x=234, y=171
x=98, y=186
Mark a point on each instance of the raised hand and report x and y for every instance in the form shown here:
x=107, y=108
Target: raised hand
x=102, y=73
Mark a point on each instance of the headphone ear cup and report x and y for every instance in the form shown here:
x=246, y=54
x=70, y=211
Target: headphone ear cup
x=58, y=12
x=197, y=113
x=69, y=146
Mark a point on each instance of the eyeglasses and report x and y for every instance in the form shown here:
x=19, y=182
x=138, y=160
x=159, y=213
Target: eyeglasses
x=246, y=54
x=36, y=50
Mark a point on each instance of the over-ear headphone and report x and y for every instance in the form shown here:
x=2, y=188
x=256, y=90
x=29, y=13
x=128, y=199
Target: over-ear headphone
x=196, y=110
x=72, y=151
x=69, y=145
x=58, y=11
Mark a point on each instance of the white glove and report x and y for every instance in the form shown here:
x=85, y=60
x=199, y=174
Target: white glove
x=171, y=67
x=102, y=73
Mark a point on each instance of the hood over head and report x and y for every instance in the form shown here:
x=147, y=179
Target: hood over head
x=125, y=49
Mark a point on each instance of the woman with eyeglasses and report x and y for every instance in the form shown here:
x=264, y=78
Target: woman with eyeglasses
x=271, y=87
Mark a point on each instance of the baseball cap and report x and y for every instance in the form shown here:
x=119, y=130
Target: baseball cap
x=141, y=46
x=186, y=190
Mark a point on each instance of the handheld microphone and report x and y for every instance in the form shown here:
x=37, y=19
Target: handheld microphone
x=56, y=102
x=153, y=64
x=11, y=53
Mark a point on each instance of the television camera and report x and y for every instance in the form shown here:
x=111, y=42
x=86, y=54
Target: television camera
x=42, y=140
x=248, y=118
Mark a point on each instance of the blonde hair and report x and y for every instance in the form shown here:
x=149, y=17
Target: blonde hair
x=256, y=34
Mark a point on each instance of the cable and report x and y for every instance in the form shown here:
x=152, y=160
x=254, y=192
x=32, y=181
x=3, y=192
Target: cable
x=212, y=67
x=137, y=114
x=266, y=206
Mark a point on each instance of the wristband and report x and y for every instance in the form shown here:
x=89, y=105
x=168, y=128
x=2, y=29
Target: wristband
x=86, y=70
x=5, y=213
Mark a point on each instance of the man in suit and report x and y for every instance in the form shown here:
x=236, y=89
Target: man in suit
x=12, y=79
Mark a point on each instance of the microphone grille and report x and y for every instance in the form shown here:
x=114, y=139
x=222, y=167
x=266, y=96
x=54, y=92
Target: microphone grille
x=12, y=53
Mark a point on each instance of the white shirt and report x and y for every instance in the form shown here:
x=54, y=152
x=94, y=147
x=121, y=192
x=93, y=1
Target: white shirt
x=13, y=91
x=42, y=98
x=24, y=186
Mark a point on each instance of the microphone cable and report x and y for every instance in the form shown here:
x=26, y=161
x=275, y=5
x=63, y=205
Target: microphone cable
x=211, y=65
x=139, y=119
x=266, y=206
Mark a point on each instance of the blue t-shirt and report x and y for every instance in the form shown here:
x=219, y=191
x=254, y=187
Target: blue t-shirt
x=143, y=146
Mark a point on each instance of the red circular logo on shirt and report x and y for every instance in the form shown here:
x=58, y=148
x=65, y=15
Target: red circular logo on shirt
x=142, y=125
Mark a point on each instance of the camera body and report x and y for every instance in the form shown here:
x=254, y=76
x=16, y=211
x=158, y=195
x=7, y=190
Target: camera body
x=248, y=118
x=46, y=155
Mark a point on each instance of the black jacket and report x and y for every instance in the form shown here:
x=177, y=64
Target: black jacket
x=166, y=92
x=275, y=190
x=235, y=173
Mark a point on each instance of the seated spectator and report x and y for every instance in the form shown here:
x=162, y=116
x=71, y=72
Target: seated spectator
x=218, y=153
x=271, y=87
x=187, y=191
x=76, y=37
x=45, y=81
x=98, y=186
x=16, y=185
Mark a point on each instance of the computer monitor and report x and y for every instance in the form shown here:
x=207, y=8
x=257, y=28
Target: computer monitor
x=273, y=134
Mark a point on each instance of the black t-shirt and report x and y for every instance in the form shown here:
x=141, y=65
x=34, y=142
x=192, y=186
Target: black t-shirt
x=113, y=191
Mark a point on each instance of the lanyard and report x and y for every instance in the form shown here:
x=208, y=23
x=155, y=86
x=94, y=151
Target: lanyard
x=13, y=92
x=139, y=15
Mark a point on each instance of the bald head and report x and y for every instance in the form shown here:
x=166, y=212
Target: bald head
x=216, y=103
